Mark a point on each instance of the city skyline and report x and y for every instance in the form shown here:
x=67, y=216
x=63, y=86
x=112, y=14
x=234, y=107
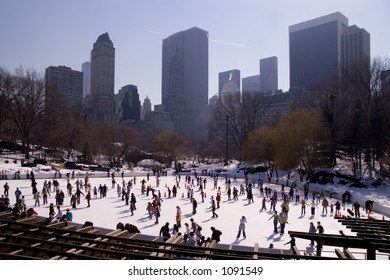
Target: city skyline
x=42, y=33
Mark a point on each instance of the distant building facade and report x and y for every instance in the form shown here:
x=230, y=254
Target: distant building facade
x=269, y=74
x=251, y=84
x=86, y=69
x=65, y=83
x=128, y=104
x=185, y=80
x=315, y=50
x=232, y=77
x=102, y=80
x=158, y=121
x=229, y=82
x=146, y=107
x=355, y=47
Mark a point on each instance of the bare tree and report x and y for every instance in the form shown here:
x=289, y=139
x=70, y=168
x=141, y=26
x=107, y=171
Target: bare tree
x=6, y=84
x=170, y=145
x=26, y=109
x=236, y=116
x=363, y=123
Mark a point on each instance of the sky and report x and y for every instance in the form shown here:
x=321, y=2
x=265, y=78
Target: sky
x=42, y=33
x=107, y=212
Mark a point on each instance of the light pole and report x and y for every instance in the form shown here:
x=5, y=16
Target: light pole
x=227, y=140
x=85, y=115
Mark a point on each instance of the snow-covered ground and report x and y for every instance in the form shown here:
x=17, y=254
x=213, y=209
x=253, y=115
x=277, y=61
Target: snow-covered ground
x=107, y=212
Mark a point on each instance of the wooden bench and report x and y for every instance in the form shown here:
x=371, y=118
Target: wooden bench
x=30, y=220
x=340, y=254
x=296, y=251
x=349, y=255
x=212, y=244
x=256, y=250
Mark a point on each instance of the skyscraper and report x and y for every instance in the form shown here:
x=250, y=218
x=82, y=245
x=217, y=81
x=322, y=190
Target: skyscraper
x=185, y=80
x=102, y=79
x=128, y=104
x=146, y=107
x=229, y=76
x=269, y=74
x=355, y=47
x=251, y=84
x=86, y=69
x=65, y=83
x=315, y=50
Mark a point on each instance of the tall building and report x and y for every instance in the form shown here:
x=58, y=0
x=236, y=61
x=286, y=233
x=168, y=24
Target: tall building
x=251, y=84
x=146, y=107
x=232, y=76
x=86, y=69
x=102, y=80
x=185, y=59
x=128, y=105
x=65, y=83
x=355, y=47
x=315, y=50
x=269, y=74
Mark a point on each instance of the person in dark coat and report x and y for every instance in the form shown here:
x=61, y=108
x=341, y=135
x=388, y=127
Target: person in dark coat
x=356, y=208
x=216, y=234
x=369, y=206
x=164, y=231
x=194, y=206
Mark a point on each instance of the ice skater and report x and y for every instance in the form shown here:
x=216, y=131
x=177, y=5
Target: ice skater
x=241, y=227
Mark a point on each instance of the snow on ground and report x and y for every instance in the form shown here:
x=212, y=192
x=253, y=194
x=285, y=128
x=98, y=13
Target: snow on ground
x=107, y=212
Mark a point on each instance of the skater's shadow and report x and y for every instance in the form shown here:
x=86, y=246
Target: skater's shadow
x=143, y=219
x=124, y=217
x=238, y=241
x=149, y=226
x=271, y=236
x=274, y=237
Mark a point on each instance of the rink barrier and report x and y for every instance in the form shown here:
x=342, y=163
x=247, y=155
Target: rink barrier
x=37, y=241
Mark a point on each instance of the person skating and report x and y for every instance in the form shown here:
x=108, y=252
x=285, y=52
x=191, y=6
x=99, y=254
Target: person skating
x=338, y=208
x=275, y=221
x=325, y=205
x=6, y=189
x=303, y=207
x=178, y=216
x=218, y=199
x=241, y=227
x=88, y=198
x=313, y=207
x=213, y=208
x=263, y=204
x=194, y=206
x=356, y=208
x=282, y=221
x=312, y=229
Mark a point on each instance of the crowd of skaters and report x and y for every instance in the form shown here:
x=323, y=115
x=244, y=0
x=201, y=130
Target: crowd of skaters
x=191, y=185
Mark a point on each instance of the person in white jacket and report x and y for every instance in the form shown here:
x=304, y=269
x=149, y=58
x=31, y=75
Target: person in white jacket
x=241, y=227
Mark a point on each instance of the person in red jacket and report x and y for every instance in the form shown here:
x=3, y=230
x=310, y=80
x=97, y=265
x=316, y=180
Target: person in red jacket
x=88, y=198
x=218, y=199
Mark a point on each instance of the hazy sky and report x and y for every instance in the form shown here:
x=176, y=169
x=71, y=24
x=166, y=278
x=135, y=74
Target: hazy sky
x=41, y=33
